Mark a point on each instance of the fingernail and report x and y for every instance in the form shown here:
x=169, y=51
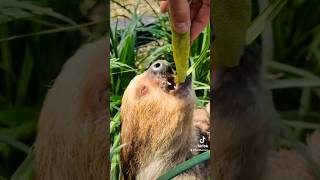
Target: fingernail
x=181, y=27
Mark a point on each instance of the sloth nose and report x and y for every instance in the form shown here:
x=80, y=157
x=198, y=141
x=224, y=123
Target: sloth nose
x=160, y=67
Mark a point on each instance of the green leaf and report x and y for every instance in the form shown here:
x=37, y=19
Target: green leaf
x=181, y=52
x=14, y=143
x=25, y=76
x=291, y=69
x=200, y=86
x=301, y=124
x=54, y=30
x=186, y=165
x=25, y=170
x=294, y=83
x=14, y=116
x=154, y=55
x=231, y=18
x=266, y=16
x=115, y=63
x=12, y=9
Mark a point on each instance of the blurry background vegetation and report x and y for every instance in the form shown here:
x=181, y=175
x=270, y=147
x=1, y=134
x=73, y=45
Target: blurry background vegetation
x=37, y=37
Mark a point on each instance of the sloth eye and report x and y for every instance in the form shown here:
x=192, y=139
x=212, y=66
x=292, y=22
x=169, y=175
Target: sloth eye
x=143, y=90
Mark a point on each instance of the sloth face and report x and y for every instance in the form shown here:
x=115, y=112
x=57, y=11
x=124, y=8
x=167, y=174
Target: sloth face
x=160, y=77
x=155, y=106
x=155, y=91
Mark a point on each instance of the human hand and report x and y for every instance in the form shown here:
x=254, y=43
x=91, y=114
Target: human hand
x=191, y=16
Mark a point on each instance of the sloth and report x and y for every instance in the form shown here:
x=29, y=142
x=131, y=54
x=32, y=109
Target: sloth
x=240, y=125
x=157, y=127
x=241, y=130
x=72, y=138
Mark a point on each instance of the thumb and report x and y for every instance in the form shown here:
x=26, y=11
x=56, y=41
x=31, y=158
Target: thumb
x=180, y=15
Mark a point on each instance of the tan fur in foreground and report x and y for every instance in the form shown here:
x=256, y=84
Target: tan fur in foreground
x=72, y=130
x=157, y=129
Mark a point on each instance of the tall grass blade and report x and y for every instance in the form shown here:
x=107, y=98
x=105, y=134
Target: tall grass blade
x=186, y=165
x=6, y=64
x=25, y=77
x=25, y=170
x=12, y=9
x=301, y=124
x=259, y=23
x=54, y=30
x=291, y=69
x=294, y=83
x=14, y=143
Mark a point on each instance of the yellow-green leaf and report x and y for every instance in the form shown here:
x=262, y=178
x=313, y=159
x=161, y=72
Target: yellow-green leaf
x=231, y=18
x=181, y=50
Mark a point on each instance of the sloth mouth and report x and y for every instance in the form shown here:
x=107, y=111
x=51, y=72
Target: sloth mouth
x=169, y=85
x=166, y=77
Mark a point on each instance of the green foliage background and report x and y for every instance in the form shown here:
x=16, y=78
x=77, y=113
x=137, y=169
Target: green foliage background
x=37, y=37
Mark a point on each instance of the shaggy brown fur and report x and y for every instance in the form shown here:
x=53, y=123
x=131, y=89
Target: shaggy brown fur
x=240, y=134
x=72, y=130
x=157, y=128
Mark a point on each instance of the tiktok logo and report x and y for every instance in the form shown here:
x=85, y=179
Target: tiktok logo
x=201, y=146
x=202, y=139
